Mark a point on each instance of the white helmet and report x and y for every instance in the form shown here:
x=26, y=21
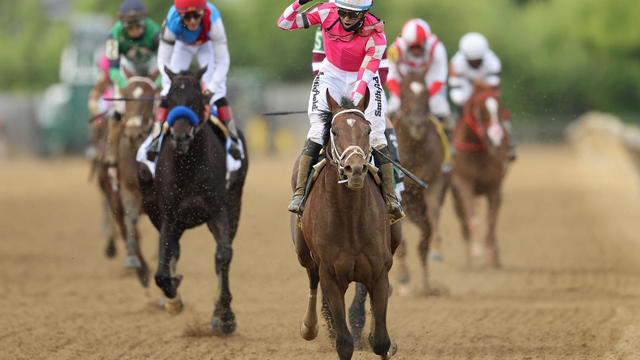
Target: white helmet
x=415, y=32
x=355, y=5
x=473, y=46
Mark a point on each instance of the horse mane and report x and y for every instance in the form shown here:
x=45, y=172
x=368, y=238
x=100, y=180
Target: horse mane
x=327, y=117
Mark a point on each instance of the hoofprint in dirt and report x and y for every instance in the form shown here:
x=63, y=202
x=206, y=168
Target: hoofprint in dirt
x=569, y=288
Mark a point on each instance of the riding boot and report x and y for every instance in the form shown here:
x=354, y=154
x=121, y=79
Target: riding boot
x=309, y=153
x=392, y=143
x=226, y=116
x=386, y=167
x=156, y=131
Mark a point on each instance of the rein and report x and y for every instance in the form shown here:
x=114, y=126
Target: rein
x=339, y=158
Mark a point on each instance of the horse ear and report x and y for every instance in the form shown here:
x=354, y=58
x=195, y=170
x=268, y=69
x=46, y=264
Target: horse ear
x=169, y=73
x=333, y=105
x=201, y=72
x=364, y=102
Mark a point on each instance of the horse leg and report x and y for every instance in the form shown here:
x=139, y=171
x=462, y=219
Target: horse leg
x=357, y=316
x=309, y=327
x=463, y=201
x=403, y=276
x=166, y=277
x=328, y=318
x=223, y=319
x=334, y=293
x=494, y=200
x=108, y=229
x=435, y=199
x=131, y=215
x=379, y=336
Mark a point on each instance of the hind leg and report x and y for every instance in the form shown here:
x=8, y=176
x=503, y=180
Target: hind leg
x=334, y=292
x=166, y=277
x=108, y=229
x=357, y=315
x=379, y=336
x=223, y=319
x=494, y=201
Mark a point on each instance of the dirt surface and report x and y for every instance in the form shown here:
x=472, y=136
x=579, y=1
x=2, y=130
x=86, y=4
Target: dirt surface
x=569, y=289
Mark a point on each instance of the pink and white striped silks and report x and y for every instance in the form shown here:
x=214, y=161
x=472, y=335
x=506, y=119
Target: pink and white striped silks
x=361, y=53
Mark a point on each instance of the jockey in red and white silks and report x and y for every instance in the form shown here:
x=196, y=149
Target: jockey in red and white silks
x=351, y=65
x=417, y=48
x=474, y=62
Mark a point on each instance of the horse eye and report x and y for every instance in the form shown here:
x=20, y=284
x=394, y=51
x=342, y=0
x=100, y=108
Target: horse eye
x=335, y=133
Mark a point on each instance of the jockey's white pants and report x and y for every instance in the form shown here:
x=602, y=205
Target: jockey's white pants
x=341, y=84
x=181, y=59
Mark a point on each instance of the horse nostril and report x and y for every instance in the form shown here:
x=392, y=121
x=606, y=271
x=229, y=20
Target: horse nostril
x=364, y=168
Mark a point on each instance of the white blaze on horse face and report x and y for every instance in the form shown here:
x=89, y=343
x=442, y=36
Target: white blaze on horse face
x=495, y=131
x=134, y=121
x=416, y=87
x=351, y=122
x=137, y=92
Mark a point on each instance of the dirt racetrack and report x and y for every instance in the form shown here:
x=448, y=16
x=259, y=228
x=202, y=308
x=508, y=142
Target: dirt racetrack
x=569, y=289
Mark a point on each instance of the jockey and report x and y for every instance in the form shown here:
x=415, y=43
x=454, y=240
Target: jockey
x=318, y=56
x=130, y=48
x=475, y=65
x=418, y=49
x=97, y=106
x=347, y=29
x=194, y=28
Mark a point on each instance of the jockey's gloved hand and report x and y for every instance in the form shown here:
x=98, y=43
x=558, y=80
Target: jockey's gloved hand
x=156, y=130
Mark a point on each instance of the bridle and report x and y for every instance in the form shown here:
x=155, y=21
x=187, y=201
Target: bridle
x=340, y=158
x=471, y=120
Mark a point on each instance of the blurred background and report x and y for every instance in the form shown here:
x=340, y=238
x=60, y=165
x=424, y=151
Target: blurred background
x=560, y=59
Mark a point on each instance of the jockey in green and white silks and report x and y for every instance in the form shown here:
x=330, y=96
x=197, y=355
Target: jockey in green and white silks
x=131, y=50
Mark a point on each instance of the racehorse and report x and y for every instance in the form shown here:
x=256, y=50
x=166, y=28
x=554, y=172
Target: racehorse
x=344, y=233
x=479, y=168
x=422, y=151
x=126, y=202
x=190, y=189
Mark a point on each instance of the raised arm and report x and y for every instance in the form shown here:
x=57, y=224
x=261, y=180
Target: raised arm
x=291, y=19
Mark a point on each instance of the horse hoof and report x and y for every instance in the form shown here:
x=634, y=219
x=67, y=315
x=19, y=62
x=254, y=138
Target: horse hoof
x=174, y=306
x=436, y=256
x=223, y=328
x=110, y=251
x=132, y=262
x=308, y=332
x=393, y=349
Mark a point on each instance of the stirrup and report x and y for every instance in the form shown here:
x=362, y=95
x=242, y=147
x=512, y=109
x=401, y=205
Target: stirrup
x=296, y=204
x=395, y=210
x=234, y=149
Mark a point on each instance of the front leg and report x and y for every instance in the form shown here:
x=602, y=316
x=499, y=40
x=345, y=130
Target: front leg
x=168, y=254
x=223, y=319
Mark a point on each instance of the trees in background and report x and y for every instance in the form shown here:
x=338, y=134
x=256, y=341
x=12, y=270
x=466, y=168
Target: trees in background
x=559, y=56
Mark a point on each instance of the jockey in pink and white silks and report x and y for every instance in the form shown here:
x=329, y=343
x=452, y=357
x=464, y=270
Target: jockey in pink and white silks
x=418, y=49
x=194, y=28
x=354, y=42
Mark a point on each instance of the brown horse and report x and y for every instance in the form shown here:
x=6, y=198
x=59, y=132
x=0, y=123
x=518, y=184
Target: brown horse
x=422, y=152
x=344, y=234
x=126, y=203
x=479, y=168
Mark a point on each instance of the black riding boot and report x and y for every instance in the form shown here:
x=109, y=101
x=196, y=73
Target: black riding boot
x=392, y=144
x=309, y=152
x=386, y=167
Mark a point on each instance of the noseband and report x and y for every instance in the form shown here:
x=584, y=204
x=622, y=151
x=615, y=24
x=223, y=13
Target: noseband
x=340, y=158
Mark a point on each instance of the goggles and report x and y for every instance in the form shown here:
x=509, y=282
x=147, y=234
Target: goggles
x=192, y=15
x=350, y=13
x=132, y=24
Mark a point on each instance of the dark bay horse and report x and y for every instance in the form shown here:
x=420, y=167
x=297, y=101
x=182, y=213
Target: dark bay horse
x=189, y=189
x=479, y=168
x=344, y=235
x=126, y=202
x=422, y=152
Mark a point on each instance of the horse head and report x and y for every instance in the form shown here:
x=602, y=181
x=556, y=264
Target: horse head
x=138, y=115
x=483, y=115
x=349, y=140
x=415, y=103
x=186, y=104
